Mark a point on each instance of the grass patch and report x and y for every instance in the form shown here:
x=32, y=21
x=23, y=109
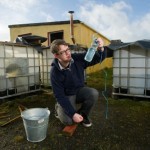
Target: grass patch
x=100, y=79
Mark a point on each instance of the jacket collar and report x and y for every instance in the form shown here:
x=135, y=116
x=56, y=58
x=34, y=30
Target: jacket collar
x=59, y=66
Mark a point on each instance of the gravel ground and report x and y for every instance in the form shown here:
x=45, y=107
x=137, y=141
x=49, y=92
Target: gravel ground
x=127, y=126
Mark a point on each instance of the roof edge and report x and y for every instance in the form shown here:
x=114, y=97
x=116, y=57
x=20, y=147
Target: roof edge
x=44, y=23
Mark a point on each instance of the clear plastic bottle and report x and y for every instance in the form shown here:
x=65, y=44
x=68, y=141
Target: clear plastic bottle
x=91, y=51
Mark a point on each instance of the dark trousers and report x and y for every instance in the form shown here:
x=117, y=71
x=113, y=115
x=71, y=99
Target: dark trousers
x=85, y=97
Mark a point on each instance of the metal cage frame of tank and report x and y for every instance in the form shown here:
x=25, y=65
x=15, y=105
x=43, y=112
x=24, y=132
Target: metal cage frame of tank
x=131, y=70
x=19, y=69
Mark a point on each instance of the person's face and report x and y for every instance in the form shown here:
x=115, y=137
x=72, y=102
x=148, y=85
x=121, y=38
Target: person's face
x=64, y=53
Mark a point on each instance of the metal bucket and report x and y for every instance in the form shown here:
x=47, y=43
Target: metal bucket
x=35, y=122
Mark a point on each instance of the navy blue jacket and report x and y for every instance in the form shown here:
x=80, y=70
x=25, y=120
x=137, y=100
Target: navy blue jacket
x=67, y=81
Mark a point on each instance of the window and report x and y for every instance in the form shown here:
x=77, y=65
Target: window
x=55, y=35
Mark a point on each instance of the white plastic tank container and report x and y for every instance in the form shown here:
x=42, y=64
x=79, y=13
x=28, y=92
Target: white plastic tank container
x=131, y=69
x=19, y=69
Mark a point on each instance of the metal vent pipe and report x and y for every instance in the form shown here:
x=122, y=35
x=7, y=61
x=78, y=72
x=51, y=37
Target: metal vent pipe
x=71, y=26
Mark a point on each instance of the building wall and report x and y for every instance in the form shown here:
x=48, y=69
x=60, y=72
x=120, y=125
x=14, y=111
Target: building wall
x=86, y=34
x=40, y=31
x=82, y=33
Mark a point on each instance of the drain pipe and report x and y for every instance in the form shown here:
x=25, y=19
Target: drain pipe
x=71, y=26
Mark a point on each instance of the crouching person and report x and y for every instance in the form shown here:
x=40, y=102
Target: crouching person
x=67, y=80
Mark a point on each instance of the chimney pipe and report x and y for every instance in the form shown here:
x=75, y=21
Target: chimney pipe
x=71, y=26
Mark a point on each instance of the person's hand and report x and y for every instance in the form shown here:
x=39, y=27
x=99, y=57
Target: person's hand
x=77, y=118
x=100, y=44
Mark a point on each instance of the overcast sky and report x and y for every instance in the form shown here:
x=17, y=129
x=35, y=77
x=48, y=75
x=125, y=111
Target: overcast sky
x=128, y=20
